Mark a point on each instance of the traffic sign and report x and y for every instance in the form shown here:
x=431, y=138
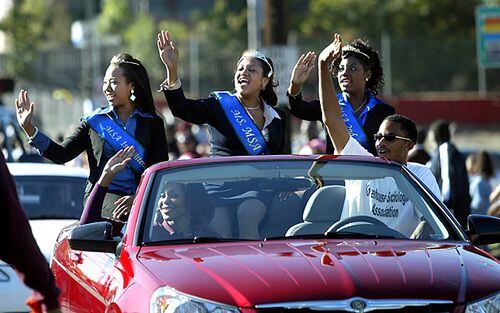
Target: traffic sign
x=488, y=36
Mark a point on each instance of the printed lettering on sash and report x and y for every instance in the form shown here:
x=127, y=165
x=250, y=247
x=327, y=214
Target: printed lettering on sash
x=118, y=138
x=248, y=133
x=355, y=124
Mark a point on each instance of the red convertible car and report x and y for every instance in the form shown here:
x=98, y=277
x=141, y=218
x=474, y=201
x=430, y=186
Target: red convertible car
x=280, y=234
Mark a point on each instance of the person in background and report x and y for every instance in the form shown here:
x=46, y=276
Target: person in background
x=418, y=154
x=480, y=169
x=173, y=148
x=448, y=166
x=313, y=145
x=359, y=74
x=18, y=247
x=495, y=195
x=245, y=122
x=130, y=119
x=187, y=148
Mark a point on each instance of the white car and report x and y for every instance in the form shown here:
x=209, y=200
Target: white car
x=52, y=198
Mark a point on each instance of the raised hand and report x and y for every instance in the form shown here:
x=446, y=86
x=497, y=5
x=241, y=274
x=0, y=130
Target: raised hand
x=122, y=209
x=332, y=51
x=115, y=164
x=303, y=68
x=24, y=112
x=169, y=54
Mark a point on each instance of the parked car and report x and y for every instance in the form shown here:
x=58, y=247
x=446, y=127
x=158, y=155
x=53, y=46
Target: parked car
x=408, y=254
x=52, y=197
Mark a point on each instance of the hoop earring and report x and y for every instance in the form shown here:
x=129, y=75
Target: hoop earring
x=132, y=96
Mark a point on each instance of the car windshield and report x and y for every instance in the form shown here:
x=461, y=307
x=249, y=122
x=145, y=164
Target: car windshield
x=51, y=197
x=268, y=200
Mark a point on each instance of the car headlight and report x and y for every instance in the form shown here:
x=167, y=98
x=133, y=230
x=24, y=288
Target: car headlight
x=167, y=300
x=488, y=305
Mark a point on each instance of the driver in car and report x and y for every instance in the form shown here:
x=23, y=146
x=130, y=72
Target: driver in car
x=380, y=198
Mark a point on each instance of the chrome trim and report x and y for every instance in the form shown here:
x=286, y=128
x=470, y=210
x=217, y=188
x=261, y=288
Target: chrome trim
x=348, y=305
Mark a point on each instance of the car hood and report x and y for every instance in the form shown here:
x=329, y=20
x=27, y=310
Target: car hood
x=46, y=232
x=246, y=274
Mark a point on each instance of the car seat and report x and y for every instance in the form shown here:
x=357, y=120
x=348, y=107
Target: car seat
x=322, y=209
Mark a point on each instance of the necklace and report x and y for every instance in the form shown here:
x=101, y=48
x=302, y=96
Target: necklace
x=252, y=108
x=361, y=106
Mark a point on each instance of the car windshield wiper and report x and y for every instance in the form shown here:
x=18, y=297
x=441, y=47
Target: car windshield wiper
x=200, y=239
x=346, y=235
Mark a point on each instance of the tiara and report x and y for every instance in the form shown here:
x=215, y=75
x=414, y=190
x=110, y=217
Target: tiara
x=130, y=62
x=258, y=55
x=353, y=49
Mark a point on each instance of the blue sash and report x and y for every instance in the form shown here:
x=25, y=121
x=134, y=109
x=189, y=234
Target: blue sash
x=118, y=138
x=354, y=125
x=248, y=133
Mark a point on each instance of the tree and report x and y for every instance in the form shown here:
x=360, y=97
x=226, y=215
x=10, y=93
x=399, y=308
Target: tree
x=429, y=39
x=115, y=17
x=32, y=25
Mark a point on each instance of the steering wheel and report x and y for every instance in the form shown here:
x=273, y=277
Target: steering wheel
x=368, y=221
x=354, y=219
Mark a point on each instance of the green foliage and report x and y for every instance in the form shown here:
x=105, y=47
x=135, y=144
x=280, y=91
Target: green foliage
x=139, y=38
x=178, y=30
x=32, y=25
x=401, y=18
x=115, y=16
x=225, y=23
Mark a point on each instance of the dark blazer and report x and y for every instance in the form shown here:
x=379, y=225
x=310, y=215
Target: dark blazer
x=223, y=138
x=149, y=132
x=459, y=199
x=419, y=156
x=311, y=111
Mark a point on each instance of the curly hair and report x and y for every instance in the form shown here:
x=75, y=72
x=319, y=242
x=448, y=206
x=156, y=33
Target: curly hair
x=374, y=64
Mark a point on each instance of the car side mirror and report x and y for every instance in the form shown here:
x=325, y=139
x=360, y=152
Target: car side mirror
x=483, y=229
x=95, y=237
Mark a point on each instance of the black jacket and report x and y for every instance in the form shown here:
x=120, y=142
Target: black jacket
x=459, y=197
x=17, y=244
x=311, y=111
x=150, y=133
x=223, y=138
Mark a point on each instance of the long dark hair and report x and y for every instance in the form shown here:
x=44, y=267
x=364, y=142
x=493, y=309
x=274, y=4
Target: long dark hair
x=268, y=94
x=373, y=63
x=482, y=164
x=136, y=73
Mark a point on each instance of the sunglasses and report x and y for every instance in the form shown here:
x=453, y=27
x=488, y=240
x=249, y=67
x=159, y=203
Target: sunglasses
x=389, y=137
